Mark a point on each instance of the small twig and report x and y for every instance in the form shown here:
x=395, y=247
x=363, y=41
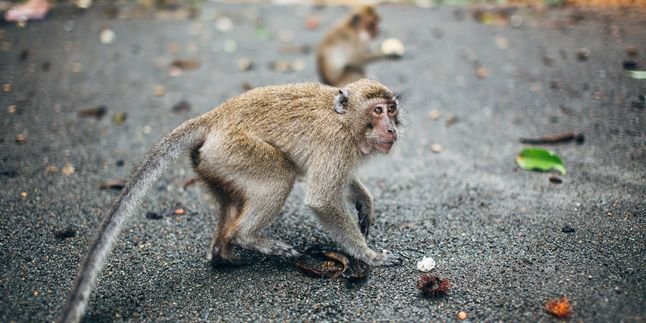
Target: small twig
x=554, y=139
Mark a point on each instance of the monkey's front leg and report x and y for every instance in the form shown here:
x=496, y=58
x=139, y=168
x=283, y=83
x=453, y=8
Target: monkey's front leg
x=364, y=203
x=341, y=225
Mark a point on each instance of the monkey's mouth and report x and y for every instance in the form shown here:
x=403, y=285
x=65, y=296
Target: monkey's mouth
x=384, y=146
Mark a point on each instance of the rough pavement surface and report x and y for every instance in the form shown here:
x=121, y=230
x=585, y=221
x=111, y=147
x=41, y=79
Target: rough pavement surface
x=496, y=232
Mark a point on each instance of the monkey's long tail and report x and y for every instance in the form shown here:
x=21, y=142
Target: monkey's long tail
x=184, y=138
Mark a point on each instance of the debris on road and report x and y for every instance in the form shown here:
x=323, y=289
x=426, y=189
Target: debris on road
x=432, y=286
x=182, y=107
x=65, y=234
x=330, y=264
x=540, y=159
x=186, y=64
x=159, y=90
x=191, y=181
x=560, y=307
x=107, y=36
x=451, y=120
x=21, y=138
x=582, y=54
x=119, y=118
x=94, y=112
x=555, y=179
x=567, y=229
x=392, y=47
x=554, y=139
x=434, y=114
x=426, y=264
x=113, y=184
x=154, y=216
x=68, y=170
x=437, y=148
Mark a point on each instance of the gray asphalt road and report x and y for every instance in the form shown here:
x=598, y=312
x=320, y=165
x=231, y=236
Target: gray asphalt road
x=495, y=231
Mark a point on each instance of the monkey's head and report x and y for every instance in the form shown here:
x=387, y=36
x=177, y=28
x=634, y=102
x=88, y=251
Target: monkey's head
x=365, y=19
x=372, y=110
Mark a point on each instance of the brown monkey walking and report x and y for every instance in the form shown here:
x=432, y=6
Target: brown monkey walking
x=341, y=56
x=249, y=152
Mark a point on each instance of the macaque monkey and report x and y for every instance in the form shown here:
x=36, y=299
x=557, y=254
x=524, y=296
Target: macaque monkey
x=345, y=50
x=249, y=151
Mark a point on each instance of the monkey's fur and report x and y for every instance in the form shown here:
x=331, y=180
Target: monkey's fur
x=345, y=49
x=249, y=152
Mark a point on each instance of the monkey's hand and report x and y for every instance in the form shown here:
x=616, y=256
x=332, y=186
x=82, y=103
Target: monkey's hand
x=366, y=217
x=384, y=259
x=364, y=204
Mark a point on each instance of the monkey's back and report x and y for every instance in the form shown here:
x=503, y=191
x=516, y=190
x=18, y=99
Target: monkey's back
x=288, y=117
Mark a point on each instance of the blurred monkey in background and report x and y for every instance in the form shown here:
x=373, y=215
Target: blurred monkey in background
x=341, y=56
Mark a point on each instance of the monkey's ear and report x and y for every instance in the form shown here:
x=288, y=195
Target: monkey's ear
x=341, y=101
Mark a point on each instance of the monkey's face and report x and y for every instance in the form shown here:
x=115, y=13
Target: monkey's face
x=371, y=25
x=366, y=21
x=382, y=130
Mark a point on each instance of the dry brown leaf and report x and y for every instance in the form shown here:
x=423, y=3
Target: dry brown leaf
x=559, y=307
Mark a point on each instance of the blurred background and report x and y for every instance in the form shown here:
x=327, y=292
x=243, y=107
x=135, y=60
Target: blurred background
x=88, y=87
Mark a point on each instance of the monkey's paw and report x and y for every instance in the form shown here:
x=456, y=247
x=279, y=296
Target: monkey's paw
x=386, y=259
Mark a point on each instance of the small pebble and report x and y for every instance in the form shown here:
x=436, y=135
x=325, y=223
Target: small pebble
x=24, y=55
x=159, y=90
x=67, y=170
x=462, y=315
x=224, y=24
x=437, y=148
x=230, y=46
x=65, y=234
x=245, y=64
x=119, y=118
x=582, y=54
x=426, y=264
x=482, y=72
x=555, y=179
x=21, y=138
x=568, y=229
x=179, y=211
x=107, y=36
x=83, y=4
x=24, y=194
x=153, y=216
x=312, y=22
x=182, y=107
x=392, y=46
x=451, y=120
x=298, y=65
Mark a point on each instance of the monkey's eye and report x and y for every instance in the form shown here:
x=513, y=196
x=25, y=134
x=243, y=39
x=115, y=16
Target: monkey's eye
x=392, y=108
x=379, y=110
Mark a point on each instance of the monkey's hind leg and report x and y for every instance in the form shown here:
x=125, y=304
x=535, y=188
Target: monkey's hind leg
x=262, y=208
x=220, y=251
x=253, y=181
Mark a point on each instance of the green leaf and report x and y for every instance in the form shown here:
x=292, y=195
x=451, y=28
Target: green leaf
x=639, y=75
x=539, y=159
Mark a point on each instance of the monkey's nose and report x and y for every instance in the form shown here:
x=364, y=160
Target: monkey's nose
x=393, y=133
